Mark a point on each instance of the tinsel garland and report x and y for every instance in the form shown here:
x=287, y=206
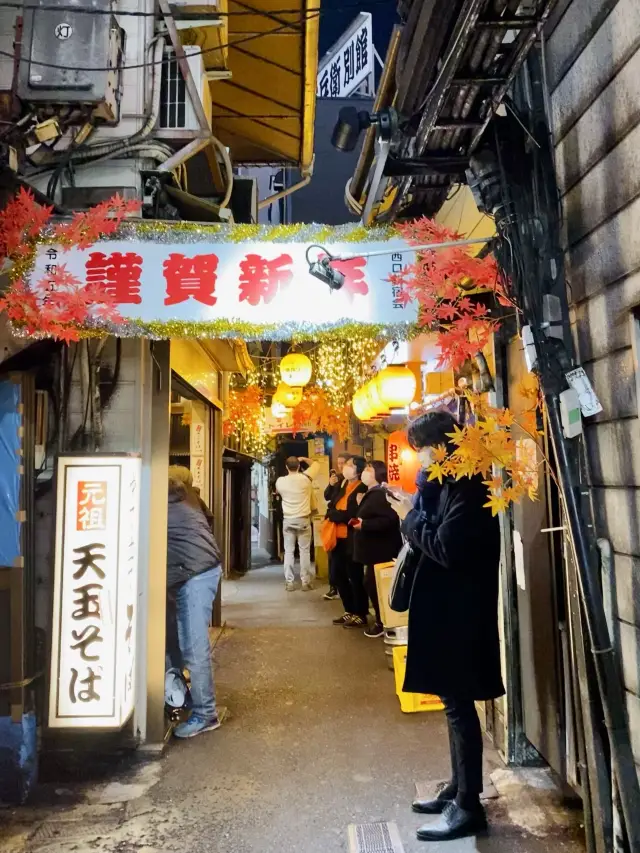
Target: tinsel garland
x=296, y=332
x=195, y=232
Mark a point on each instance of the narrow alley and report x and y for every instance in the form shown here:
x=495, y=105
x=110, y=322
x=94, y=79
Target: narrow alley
x=313, y=742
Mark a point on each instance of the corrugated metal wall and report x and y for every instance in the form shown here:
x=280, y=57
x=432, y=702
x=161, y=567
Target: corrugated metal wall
x=593, y=64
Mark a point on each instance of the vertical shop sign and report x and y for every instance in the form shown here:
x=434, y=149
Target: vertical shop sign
x=349, y=62
x=95, y=592
x=197, y=445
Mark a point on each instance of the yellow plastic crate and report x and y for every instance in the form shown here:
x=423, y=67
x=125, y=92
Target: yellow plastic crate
x=411, y=702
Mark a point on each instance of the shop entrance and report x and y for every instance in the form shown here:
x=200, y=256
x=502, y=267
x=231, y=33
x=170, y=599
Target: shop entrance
x=192, y=431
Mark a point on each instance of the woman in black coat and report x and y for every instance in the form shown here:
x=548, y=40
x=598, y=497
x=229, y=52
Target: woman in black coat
x=454, y=647
x=376, y=535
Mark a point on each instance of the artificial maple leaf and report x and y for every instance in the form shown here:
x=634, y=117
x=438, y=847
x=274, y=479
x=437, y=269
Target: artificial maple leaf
x=436, y=472
x=404, y=297
x=529, y=387
x=506, y=418
x=440, y=453
x=497, y=504
x=528, y=421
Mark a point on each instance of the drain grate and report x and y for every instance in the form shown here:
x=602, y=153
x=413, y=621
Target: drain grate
x=59, y=831
x=374, y=838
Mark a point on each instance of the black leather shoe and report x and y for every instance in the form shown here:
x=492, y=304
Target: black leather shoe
x=455, y=822
x=434, y=806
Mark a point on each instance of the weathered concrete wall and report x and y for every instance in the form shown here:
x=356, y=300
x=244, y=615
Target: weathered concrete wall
x=593, y=63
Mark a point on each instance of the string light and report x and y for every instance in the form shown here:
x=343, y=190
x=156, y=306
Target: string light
x=342, y=365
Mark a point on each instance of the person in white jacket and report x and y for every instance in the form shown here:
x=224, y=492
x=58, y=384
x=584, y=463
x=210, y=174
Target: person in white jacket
x=296, y=491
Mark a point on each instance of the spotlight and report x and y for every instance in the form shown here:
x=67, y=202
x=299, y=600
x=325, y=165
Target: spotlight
x=322, y=270
x=352, y=122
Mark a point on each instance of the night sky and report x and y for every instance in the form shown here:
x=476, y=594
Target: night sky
x=336, y=15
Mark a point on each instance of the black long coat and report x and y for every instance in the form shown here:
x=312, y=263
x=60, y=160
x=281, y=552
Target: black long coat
x=378, y=540
x=454, y=648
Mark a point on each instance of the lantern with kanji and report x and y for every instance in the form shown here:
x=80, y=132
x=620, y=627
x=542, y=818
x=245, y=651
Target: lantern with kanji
x=402, y=462
x=295, y=369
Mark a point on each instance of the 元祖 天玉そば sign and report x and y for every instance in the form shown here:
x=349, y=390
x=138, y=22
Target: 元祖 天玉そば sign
x=95, y=592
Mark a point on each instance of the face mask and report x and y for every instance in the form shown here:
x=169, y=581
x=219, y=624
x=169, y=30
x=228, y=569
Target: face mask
x=349, y=472
x=425, y=456
x=368, y=478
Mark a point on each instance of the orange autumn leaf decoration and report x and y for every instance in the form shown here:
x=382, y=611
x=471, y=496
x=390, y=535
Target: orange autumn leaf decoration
x=59, y=305
x=438, y=281
x=244, y=411
x=316, y=413
x=491, y=447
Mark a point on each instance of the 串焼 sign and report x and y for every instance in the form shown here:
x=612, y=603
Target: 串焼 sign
x=95, y=592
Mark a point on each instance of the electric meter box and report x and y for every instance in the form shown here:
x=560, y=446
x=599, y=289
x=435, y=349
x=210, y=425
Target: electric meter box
x=570, y=413
x=71, y=57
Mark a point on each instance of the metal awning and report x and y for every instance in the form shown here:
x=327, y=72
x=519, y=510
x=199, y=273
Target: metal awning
x=263, y=87
x=447, y=71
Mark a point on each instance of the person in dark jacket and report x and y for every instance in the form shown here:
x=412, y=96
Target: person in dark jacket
x=193, y=574
x=376, y=536
x=453, y=648
x=349, y=575
x=330, y=494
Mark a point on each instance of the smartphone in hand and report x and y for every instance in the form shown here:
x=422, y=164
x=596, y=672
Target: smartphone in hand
x=394, y=494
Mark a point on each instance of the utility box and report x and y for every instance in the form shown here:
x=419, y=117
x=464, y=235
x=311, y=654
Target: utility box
x=72, y=57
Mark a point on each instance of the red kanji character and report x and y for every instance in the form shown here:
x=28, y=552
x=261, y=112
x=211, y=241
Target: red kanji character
x=394, y=473
x=353, y=272
x=118, y=274
x=187, y=277
x=261, y=278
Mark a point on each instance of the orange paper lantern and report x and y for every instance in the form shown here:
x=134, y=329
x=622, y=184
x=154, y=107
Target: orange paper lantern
x=402, y=462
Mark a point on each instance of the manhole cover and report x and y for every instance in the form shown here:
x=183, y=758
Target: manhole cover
x=374, y=838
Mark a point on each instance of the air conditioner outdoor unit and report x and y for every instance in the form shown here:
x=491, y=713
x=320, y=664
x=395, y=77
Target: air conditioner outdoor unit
x=176, y=109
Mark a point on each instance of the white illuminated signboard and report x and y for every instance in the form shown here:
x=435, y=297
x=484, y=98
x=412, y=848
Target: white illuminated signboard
x=349, y=62
x=95, y=592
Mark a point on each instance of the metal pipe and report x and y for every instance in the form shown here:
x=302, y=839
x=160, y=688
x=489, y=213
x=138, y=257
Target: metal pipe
x=271, y=199
x=608, y=593
x=604, y=657
x=428, y=247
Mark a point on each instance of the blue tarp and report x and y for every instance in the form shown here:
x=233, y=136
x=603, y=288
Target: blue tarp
x=18, y=758
x=10, y=422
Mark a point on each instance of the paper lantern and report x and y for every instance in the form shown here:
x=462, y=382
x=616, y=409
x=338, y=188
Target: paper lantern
x=397, y=386
x=362, y=405
x=377, y=404
x=279, y=410
x=402, y=462
x=296, y=369
x=287, y=395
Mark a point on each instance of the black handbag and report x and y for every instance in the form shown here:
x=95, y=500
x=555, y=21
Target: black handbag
x=404, y=574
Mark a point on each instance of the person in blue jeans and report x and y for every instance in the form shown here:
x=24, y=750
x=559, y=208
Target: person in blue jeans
x=193, y=575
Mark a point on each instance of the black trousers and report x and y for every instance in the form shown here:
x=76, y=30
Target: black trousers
x=333, y=583
x=465, y=743
x=372, y=591
x=349, y=578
